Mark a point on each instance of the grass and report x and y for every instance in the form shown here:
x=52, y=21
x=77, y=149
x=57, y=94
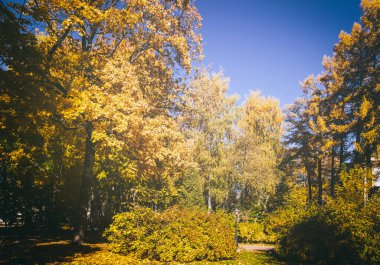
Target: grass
x=103, y=256
x=248, y=258
x=41, y=249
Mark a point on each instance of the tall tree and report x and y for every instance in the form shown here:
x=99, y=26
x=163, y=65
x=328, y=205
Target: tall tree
x=79, y=39
x=297, y=141
x=258, y=149
x=209, y=124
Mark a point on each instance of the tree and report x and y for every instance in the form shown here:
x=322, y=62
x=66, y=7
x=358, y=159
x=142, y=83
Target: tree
x=341, y=105
x=208, y=124
x=297, y=141
x=351, y=82
x=78, y=45
x=258, y=149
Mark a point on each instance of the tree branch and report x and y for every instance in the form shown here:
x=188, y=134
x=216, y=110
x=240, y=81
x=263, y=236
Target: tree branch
x=136, y=54
x=60, y=122
x=117, y=45
x=58, y=43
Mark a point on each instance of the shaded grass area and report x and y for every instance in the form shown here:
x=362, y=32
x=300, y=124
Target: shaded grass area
x=248, y=258
x=43, y=249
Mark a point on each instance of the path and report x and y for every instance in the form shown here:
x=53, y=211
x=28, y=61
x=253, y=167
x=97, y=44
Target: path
x=256, y=247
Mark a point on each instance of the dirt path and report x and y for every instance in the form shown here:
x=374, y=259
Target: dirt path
x=256, y=247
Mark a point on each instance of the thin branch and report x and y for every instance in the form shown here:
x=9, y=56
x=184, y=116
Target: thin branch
x=136, y=54
x=60, y=122
x=56, y=85
x=117, y=44
x=7, y=12
x=46, y=20
x=58, y=43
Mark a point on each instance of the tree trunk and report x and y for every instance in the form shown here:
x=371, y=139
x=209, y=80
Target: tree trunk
x=341, y=149
x=209, y=204
x=86, y=186
x=368, y=156
x=341, y=156
x=365, y=190
x=319, y=177
x=358, y=156
x=332, y=183
x=28, y=216
x=368, y=163
x=309, y=191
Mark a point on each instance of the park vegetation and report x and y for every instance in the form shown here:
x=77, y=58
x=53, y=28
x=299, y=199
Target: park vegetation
x=106, y=125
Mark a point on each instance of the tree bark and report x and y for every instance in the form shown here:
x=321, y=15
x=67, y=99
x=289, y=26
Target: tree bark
x=358, y=156
x=309, y=191
x=86, y=186
x=28, y=215
x=319, y=177
x=332, y=183
x=209, y=204
x=341, y=154
x=368, y=163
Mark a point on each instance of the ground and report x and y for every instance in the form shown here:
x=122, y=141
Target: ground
x=56, y=249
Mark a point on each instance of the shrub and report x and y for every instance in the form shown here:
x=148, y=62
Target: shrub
x=177, y=234
x=253, y=232
x=345, y=230
x=278, y=222
x=339, y=233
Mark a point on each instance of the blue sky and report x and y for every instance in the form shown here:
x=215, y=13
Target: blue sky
x=271, y=45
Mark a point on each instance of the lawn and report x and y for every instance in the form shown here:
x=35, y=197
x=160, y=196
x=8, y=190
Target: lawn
x=42, y=249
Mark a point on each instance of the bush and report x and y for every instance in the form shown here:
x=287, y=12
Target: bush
x=253, y=232
x=339, y=233
x=345, y=230
x=278, y=222
x=177, y=234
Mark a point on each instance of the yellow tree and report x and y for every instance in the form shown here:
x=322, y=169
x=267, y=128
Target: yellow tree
x=23, y=112
x=79, y=39
x=209, y=129
x=258, y=148
x=137, y=129
x=320, y=141
x=352, y=80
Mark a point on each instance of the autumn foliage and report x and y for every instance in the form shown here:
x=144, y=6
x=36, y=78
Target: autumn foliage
x=109, y=122
x=177, y=234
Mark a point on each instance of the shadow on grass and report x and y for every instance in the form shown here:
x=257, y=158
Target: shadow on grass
x=41, y=253
x=40, y=249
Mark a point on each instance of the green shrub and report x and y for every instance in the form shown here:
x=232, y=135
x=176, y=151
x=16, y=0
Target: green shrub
x=177, y=234
x=345, y=230
x=253, y=232
x=278, y=222
x=339, y=233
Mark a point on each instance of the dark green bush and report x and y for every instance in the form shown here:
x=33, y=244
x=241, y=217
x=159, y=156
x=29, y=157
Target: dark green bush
x=345, y=230
x=177, y=234
x=336, y=234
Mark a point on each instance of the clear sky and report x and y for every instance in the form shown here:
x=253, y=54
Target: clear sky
x=272, y=45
